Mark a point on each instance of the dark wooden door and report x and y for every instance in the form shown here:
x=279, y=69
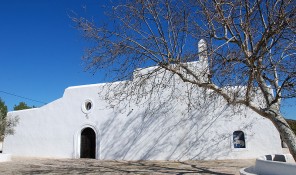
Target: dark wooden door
x=88, y=143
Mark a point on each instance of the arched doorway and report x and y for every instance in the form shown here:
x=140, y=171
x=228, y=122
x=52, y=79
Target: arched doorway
x=88, y=143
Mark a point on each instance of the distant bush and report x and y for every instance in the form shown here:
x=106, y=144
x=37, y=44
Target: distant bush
x=21, y=106
x=292, y=124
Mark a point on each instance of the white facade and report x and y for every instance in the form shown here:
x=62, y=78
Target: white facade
x=161, y=127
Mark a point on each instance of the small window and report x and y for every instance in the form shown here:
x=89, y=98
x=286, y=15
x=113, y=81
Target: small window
x=239, y=139
x=88, y=105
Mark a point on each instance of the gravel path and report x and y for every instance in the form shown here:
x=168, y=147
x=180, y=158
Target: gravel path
x=89, y=166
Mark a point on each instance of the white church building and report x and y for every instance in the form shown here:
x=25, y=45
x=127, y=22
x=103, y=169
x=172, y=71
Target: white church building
x=175, y=122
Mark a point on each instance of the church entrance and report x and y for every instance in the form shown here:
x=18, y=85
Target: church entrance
x=88, y=143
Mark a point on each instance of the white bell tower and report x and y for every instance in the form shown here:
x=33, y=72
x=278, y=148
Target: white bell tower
x=203, y=59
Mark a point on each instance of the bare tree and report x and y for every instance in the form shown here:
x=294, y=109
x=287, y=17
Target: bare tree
x=251, y=44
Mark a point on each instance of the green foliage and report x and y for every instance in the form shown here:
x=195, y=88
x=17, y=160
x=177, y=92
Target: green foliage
x=7, y=123
x=21, y=106
x=3, y=115
x=292, y=124
x=3, y=107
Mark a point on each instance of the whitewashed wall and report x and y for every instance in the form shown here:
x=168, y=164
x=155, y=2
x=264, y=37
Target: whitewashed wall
x=163, y=129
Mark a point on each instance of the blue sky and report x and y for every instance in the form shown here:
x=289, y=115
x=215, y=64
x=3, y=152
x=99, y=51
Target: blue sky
x=40, y=51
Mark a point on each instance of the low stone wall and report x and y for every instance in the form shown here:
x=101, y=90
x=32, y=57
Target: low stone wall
x=4, y=157
x=277, y=164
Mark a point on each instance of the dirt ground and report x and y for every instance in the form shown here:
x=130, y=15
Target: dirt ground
x=20, y=165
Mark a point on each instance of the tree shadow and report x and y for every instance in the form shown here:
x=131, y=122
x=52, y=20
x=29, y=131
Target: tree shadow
x=86, y=166
x=170, y=125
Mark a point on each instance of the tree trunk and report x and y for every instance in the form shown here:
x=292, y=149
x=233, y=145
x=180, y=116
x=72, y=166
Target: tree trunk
x=286, y=133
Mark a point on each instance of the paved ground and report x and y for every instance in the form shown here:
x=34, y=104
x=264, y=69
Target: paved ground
x=89, y=166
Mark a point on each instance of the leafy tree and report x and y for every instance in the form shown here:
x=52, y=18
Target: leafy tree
x=3, y=114
x=7, y=124
x=21, y=106
x=251, y=45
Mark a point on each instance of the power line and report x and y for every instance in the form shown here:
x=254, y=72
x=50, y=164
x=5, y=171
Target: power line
x=22, y=97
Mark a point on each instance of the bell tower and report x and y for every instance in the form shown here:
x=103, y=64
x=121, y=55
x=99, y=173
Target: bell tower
x=203, y=59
